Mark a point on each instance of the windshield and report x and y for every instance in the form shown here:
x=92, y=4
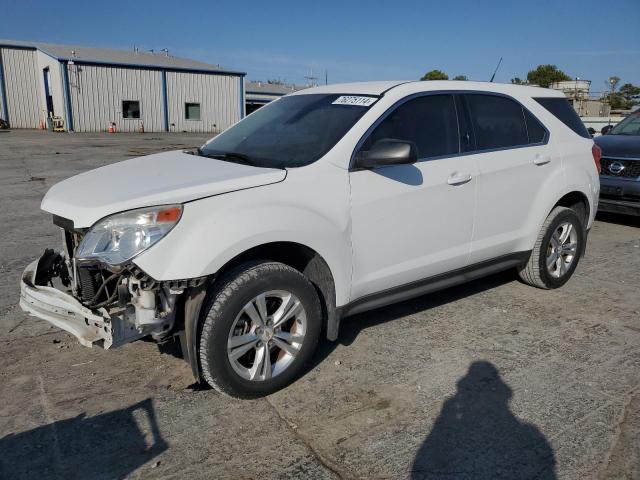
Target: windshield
x=290, y=132
x=628, y=126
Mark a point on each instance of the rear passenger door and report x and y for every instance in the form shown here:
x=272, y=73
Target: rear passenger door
x=513, y=161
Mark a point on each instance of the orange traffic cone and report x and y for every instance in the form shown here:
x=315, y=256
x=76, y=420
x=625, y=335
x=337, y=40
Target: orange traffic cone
x=112, y=127
x=41, y=124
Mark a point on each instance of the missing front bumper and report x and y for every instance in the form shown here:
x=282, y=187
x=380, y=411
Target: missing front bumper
x=64, y=311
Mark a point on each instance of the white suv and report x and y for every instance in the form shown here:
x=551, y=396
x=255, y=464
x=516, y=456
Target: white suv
x=327, y=202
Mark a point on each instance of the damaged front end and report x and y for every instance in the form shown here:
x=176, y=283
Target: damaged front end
x=99, y=303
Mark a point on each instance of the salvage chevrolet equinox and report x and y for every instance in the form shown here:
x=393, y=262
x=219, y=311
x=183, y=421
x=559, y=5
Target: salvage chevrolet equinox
x=325, y=203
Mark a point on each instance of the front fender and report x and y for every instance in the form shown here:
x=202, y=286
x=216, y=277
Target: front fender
x=212, y=231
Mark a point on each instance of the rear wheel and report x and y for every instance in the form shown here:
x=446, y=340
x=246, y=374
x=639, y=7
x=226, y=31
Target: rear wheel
x=262, y=326
x=557, y=250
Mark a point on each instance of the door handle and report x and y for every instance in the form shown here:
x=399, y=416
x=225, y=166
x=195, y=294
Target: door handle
x=541, y=159
x=458, y=178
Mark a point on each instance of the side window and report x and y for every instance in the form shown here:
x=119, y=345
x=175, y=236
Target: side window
x=535, y=130
x=429, y=121
x=498, y=122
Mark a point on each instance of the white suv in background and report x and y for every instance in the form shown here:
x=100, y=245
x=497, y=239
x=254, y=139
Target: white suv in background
x=327, y=202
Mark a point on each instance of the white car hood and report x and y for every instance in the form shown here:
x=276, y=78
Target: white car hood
x=159, y=179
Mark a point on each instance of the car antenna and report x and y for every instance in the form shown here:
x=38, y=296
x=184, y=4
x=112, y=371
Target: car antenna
x=495, y=71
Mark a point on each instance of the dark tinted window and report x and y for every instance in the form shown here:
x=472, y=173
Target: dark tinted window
x=130, y=109
x=498, y=122
x=535, y=130
x=293, y=131
x=429, y=121
x=563, y=111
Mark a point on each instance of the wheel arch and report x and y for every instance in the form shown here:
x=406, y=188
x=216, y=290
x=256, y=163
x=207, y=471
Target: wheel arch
x=296, y=255
x=578, y=201
x=308, y=262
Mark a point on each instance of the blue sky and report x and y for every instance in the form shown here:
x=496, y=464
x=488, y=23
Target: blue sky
x=354, y=40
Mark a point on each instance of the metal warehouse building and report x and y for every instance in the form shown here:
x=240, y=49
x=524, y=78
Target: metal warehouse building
x=89, y=88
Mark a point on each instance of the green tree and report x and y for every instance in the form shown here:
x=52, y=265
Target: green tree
x=630, y=93
x=461, y=77
x=545, y=75
x=617, y=101
x=517, y=81
x=435, y=75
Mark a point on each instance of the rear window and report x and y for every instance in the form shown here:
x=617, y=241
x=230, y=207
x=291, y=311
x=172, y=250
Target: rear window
x=563, y=111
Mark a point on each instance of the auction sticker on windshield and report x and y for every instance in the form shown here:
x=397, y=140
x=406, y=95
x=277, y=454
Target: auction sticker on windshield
x=355, y=100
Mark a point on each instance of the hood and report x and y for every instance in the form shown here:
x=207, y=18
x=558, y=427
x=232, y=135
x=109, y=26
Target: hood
x=619, y=145
x=159, y=179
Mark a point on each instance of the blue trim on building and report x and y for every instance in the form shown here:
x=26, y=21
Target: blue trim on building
x=242, y=100
x=155, y=67
x=268, y=93
x=67, y=95
x=3, y=92
x=165, y=103
x=124, y=64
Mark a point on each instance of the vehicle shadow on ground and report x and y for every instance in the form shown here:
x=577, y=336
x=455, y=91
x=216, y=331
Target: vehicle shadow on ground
x=618, y=218
x=109, y=445
x=476, y=436
x=351, y=327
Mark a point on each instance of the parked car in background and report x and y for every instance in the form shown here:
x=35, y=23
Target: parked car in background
x=325, y=203
x=620, y=175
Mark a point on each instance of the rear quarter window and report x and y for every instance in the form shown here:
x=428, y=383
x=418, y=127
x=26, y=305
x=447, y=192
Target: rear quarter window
x=563, y=111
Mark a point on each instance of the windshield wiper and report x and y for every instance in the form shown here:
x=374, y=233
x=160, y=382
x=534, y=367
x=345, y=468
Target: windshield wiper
x=232, y=156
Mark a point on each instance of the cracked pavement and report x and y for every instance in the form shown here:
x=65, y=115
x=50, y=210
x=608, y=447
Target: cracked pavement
x=494, y=377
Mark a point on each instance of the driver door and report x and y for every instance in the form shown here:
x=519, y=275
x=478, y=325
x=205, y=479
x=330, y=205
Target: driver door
x=411, y=222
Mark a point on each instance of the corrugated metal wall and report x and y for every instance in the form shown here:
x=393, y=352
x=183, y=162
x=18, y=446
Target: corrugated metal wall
x=218, y=96
x=97, y=93
x=21, y=82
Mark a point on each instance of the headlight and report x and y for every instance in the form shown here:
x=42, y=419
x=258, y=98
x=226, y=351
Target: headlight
x=120, y=237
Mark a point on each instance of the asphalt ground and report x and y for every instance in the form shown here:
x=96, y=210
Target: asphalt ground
x=496, y=378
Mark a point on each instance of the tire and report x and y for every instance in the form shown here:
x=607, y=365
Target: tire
x=237, y=314
x=536, y=272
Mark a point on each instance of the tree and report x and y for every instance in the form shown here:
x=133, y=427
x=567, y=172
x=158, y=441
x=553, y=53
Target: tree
x=612, y=83
x=461, y=77
x=517, y=81
x=617, y=101
x=435, y=75
x=545, y=75
x=630, y=93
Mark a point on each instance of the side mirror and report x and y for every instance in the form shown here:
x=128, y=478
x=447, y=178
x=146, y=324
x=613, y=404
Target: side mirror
x=388, y=152
x=606, y=129
x=592, y=131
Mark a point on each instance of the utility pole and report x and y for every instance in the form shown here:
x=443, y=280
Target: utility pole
x=311, y=80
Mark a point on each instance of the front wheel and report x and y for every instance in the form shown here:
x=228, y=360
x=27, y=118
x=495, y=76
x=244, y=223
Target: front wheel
x=557, y=250
x=262, y=326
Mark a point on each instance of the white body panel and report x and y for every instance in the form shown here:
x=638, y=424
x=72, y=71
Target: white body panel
x=310, y=208
x=409, y=223
x=163, y=178
x=375, y=229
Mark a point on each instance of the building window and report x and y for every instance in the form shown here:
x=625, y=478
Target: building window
x=192, y=111
x=130, y=109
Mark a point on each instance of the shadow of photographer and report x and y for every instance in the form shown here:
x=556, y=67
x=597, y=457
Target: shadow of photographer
x=476, y=436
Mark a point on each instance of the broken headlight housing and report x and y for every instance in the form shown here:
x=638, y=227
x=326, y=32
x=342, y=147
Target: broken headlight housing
x=118, y=238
